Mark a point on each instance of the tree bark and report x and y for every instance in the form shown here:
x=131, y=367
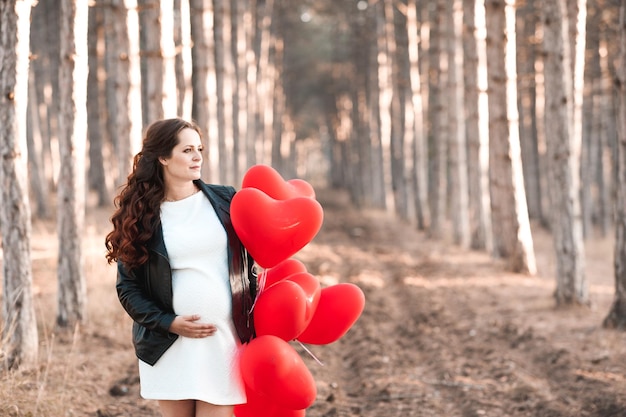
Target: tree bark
x=182, y=47
x=19, y=330
x=459, y=192
x=527, y=55
x=437, y=114
x=563, y=153
x=476, y=105
x=223, y=88
x=72, y=140
x=156, y=23
x=511, y=226
x=418, y=168
x=616, y=317
x=204, y=105
x=95, y=124
x=124, y=118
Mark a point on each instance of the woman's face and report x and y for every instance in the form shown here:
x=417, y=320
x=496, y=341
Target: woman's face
x=185, y=163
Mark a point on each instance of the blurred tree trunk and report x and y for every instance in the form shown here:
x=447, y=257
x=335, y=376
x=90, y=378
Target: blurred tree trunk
x=385, y=94
x=616, y=317
x=240, y=18
x=37, y=114
x=378, y=198
x=526, y=26
x=72, y=139
x=182, y=62
x=95, y=115
x=282, y=128
x=459, y=192
x=158, y=74
x=418, y=173
x=204, y=104
x=124, y=118
x=45, y=50
x=563, y=150
x=591, y=136
x=511, y=226
x=19, y=330
x=606, y=152
x=252, y=35
x=476, y=107
x=359, y=154
x=273, y=25
x=437, y=149
x=223, y=88
x=396, y=112
x=36, y=167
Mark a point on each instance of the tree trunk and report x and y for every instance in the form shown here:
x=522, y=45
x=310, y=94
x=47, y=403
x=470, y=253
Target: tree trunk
x=563, y=153
x=511, y=226
x=40, y=176
x=607, y=138
x=617, y=315
x=19, y=330
x=384, y=98
x=526, y=23
x=396, y=124
x=459, y=193
x=437, y=149
x=418, y=169
x=204, y=105
x=45, y=65
x=266, y=77
x=158, y=77
x=95, y=125
x=223, y=88
x=72, y=139
x=124, y=118
x=240, y=18
x=37, y=178
x=182, y=47
x=476, y=107
x=378, y=198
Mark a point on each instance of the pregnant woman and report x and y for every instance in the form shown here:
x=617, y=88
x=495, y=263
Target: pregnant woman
x=183, y=276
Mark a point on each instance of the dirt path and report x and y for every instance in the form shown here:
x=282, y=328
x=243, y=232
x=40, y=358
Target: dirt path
x=451, y=333
x=445, y=332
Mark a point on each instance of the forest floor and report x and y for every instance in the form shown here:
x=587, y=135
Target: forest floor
x=445, y=332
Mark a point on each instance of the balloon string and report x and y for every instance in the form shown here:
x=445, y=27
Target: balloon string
x=261, y=285
x=310, y=353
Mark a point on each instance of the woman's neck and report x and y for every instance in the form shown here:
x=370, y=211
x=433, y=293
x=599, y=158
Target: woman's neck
x=180, y=193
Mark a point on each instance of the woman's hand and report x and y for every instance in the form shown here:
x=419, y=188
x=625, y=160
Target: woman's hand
x=187, y=326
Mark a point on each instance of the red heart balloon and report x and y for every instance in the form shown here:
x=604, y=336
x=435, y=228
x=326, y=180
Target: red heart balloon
x=282, y=270
x=275, y=371
x=268, y=180
x=259, y=406
x=312, y=290
x=282, y=310
x=273, y=230
x=339, y=308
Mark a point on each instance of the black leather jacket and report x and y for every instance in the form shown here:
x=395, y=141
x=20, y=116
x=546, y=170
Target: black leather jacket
x=146, y=292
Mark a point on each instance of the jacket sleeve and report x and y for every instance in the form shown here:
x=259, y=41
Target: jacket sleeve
x=138, y=305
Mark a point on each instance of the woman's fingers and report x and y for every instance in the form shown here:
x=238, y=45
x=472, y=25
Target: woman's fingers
x=187, y=326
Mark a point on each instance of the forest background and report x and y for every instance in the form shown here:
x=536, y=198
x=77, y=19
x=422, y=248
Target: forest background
x=467, y=120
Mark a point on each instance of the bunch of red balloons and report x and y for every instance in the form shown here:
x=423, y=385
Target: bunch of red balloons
x=274, y=219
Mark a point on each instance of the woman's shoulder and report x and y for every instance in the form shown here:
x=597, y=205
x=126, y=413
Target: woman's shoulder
x=224, y=191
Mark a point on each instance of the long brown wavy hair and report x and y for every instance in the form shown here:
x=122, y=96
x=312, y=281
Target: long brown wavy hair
x=138, y=203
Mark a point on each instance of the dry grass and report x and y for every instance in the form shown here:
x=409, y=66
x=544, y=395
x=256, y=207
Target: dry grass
x=77, y=366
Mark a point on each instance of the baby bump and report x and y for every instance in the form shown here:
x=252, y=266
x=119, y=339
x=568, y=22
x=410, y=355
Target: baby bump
x=196, y=293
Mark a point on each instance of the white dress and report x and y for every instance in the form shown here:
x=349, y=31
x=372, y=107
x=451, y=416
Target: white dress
x=202, y=369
